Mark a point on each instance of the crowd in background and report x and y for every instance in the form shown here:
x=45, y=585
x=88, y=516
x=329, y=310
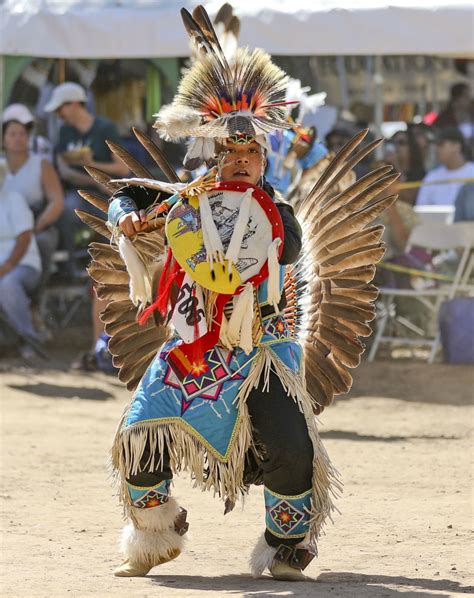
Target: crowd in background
x=38, y=192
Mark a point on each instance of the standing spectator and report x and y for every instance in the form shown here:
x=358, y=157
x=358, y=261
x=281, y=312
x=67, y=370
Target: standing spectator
x=408, y=161
x=337, y=138
x=35, y=178
x=292, y=153
x=81, y=143
x=453, y=167
x=313, y=170
x=20, y=266
x=459, y=112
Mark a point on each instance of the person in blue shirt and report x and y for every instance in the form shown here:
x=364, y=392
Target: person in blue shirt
x=291, y=153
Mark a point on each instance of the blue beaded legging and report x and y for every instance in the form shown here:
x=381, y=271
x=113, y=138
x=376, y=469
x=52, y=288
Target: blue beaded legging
x=280, y=431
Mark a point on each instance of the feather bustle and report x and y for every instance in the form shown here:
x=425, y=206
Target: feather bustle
x=98, y=202
x=102, y=178
x=157, y=156
x=96, y=223
x=130, y=161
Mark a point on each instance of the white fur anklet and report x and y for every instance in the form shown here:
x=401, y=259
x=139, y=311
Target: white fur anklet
x=262, y=557
x=152, y=535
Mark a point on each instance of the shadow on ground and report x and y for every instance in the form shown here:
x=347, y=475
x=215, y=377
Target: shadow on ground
x=414, y=381
x=53, y=391
x=344, y=435
x=325, y=585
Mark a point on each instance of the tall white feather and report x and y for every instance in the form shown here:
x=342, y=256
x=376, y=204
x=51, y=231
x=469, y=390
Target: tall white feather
x=210, y=234
x=240, y=227
x=273, y=286
x=140, y=283
x=239, y=329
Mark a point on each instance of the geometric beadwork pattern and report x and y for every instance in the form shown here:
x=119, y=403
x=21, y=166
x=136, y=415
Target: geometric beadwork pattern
x=205, y=407
x=287, y=516
x=146, y=498
x=277, y=327
x=208, y=385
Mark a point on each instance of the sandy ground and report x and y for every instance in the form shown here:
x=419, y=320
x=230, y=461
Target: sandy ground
x=401, y=440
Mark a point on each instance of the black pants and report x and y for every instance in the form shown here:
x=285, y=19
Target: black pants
x=281, y=434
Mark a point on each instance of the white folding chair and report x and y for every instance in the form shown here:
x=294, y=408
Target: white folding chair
x=433, y=237
x=429, y=214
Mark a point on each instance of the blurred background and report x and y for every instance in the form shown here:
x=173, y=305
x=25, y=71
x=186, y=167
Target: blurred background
x=403, y=70
x=74, y=74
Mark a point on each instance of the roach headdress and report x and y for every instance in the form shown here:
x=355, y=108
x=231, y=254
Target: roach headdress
x=240, y=99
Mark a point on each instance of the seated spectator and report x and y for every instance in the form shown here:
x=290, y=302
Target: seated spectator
x=35, y=178
x=408, y=160
x=450, y=174
x=424, y=137
x=20, y=267
x=81, y=143
x=37, y=144
x=337, y=138
x=464, y=204
x=364, y=116
x=399, y=220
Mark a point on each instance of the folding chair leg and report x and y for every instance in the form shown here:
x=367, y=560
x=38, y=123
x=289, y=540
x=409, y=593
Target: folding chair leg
x=381, y=324
x=78, y=301
x=434, y=348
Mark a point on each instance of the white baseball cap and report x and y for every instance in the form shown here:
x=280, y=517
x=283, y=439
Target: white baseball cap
x=66, y=92
x=18, y=112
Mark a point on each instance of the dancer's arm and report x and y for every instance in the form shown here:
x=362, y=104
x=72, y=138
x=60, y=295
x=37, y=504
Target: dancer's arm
x=127, y=209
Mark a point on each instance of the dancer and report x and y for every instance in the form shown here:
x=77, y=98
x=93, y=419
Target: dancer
x=244, y=333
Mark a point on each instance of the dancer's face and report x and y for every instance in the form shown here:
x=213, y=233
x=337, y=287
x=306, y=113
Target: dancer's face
x=242, y=162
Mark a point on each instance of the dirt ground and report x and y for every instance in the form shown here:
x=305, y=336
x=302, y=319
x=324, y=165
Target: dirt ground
x=402, y=441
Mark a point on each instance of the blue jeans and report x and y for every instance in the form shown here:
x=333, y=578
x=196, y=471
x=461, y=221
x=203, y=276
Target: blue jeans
x=16, y=288
x=47, y=241
x=69, y=224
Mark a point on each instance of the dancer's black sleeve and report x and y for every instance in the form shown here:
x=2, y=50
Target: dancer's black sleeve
x=292, y=243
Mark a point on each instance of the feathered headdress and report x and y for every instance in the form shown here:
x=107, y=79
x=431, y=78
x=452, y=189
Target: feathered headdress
x=244, y=98
x=296, y=94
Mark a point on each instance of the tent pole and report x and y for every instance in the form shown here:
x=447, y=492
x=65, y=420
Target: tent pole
x=61, y=70
x=378, y=101
x=341, y=71
x=2, y=84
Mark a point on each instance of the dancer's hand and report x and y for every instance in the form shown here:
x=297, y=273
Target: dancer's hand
x=133, y=223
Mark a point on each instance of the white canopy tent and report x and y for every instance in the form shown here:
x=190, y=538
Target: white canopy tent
x=100, y=29
x=152, y=28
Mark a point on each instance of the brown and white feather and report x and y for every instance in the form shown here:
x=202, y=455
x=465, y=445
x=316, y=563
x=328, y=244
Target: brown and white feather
x=335, y=300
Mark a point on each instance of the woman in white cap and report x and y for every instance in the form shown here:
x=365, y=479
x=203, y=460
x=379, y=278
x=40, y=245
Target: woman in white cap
x=35, y=178
x=38, y=144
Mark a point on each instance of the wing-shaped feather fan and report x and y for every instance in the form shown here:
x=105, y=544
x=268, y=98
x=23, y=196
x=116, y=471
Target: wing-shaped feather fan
x=330, y=298
x=133, y=346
